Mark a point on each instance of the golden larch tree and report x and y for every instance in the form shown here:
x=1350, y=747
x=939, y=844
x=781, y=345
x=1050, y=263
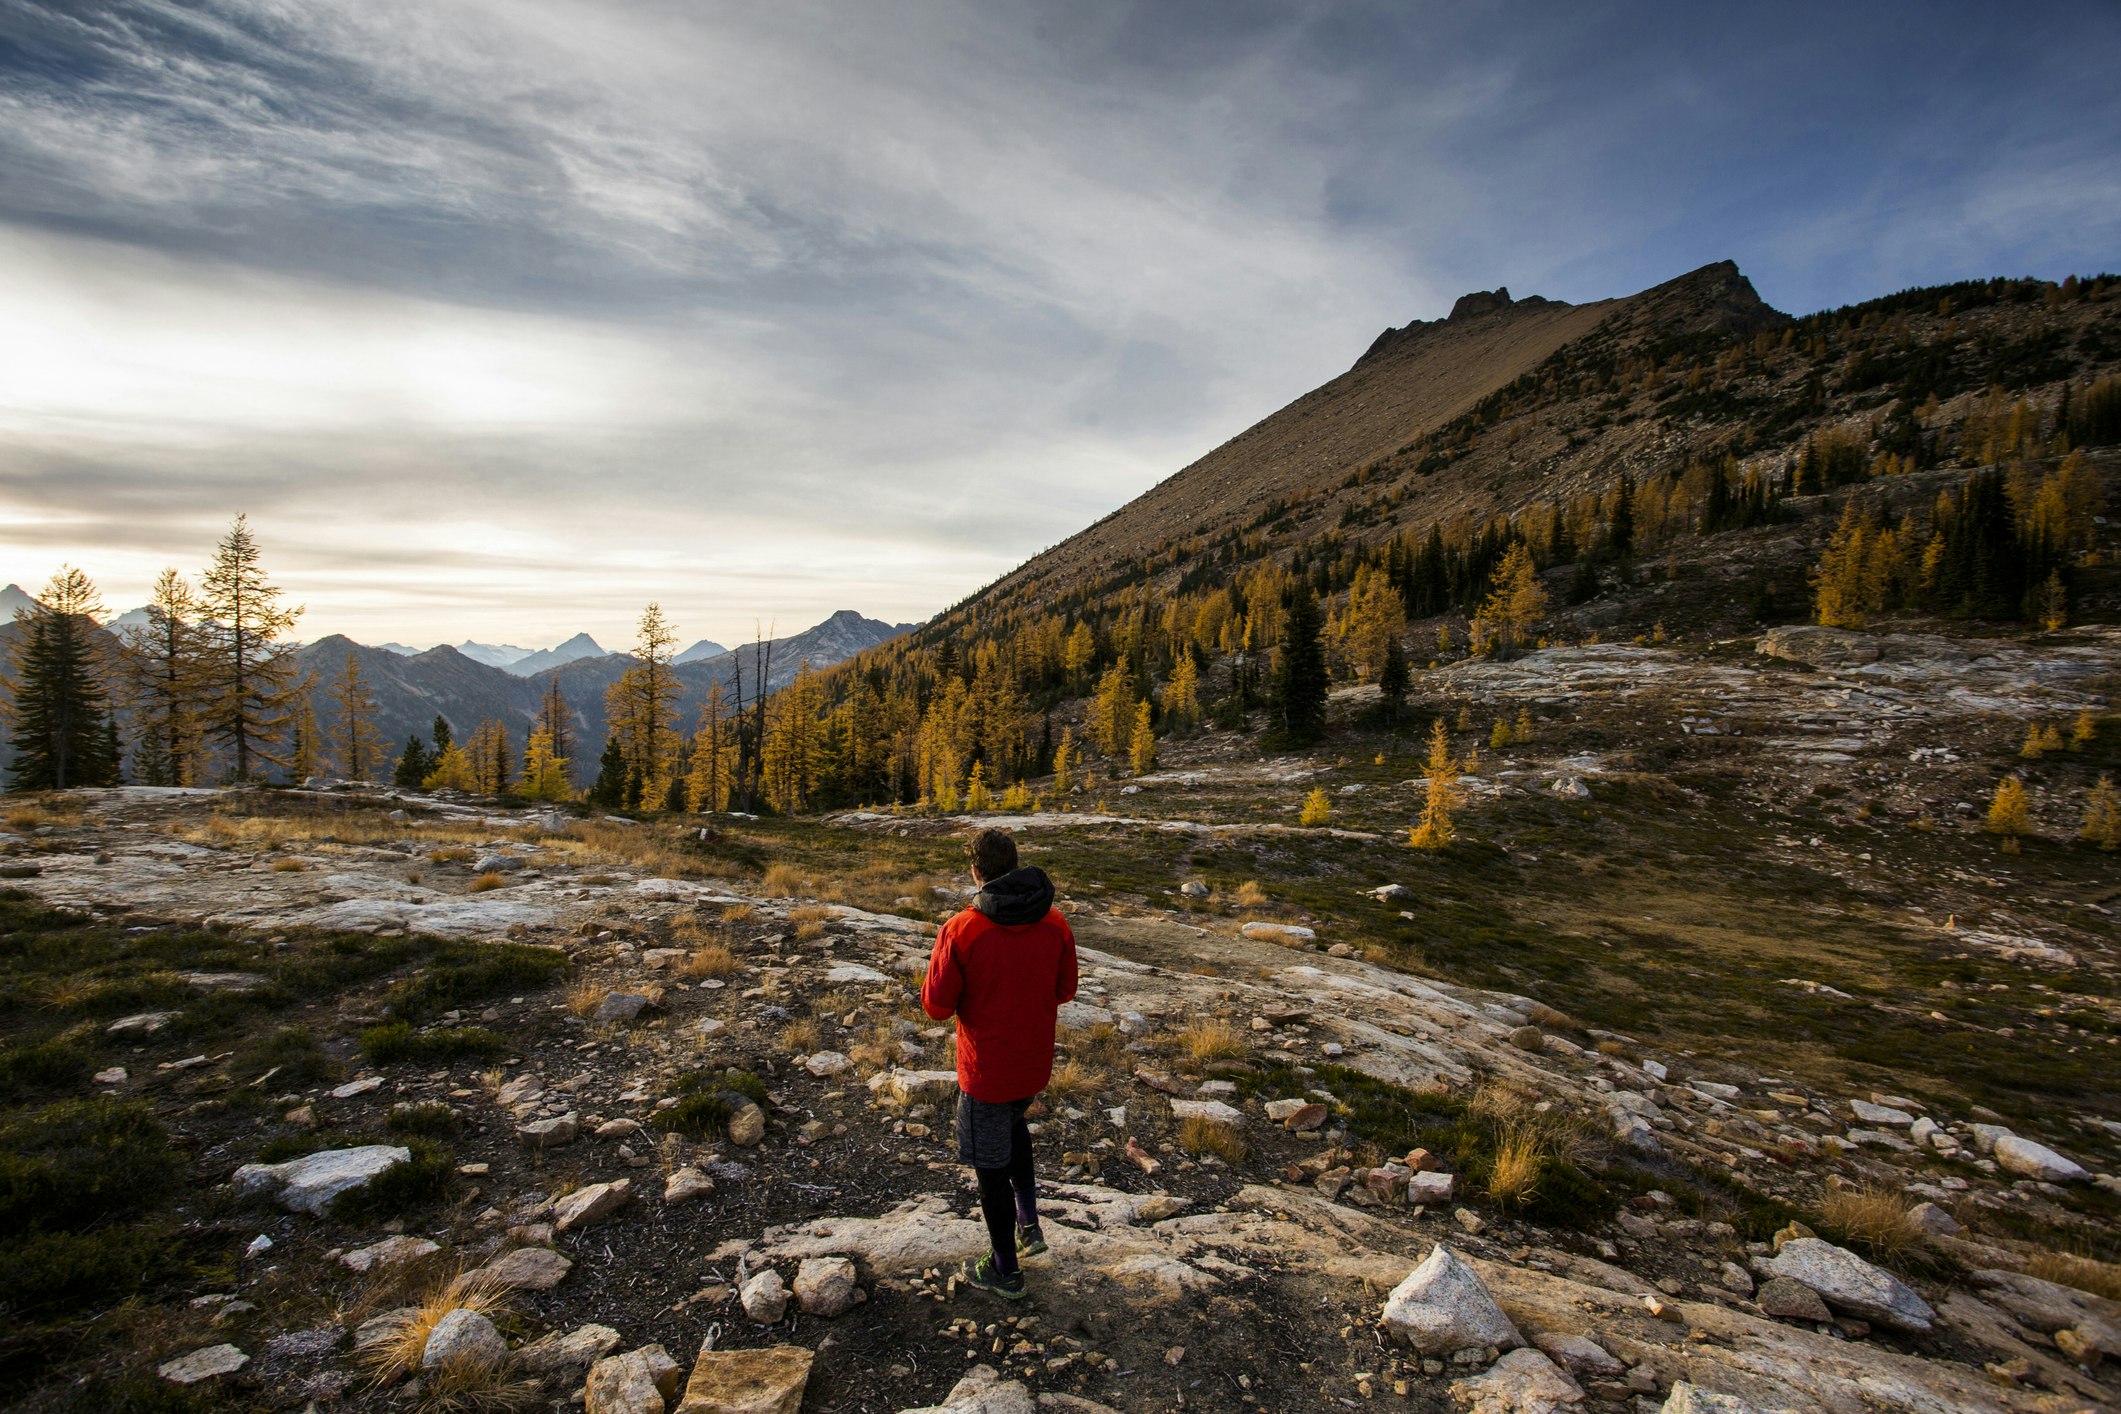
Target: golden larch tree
x=2010, y=813
x=1141, y=748
x=1436, y=828
x=354, y=741
x=2102, y=815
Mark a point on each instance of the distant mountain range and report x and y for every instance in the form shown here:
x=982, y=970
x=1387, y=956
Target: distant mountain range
x=411, y=687
x=410, y=691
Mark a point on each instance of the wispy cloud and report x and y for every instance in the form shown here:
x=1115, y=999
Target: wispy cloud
x=771, y=310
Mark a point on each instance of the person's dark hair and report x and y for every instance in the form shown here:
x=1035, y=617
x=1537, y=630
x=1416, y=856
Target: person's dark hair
x=992, y=852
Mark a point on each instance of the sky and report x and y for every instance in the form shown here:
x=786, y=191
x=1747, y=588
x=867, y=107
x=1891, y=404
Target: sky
x=502, y=318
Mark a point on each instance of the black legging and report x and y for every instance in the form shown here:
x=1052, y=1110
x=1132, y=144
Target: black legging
x=997, y=1188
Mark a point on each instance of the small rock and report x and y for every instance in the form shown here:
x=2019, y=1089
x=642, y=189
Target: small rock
x=1466, y=1218
x=1193, y=888
x=1933, y=1220
x=1579, y=1355
x=550, y=1133
x=209, y=1363
x=1307, y=1119
x=258, y=1246
x=620, y=1007
x=638, y=1382
x=142, y=1023
x=1423, y=1188
x=592, y=1204
x=1444, y=1306
x=1788, y=1300
x=685, y=1184
x=618, y=1129
x=769, y=1381
x=764, y=1297
x=114, y=1076
x=497, y=864
x=1883, y=1115
x=1216, y=1110
x=1522, y=1382
x=578, y=1349
x=1688, y=1399
x=1529, y=1038
x=747, y=1127
x=826, y=1063
x=826, y=1286
x=463, y=1337
x=525, y=1269
x=388, y=1253
x=358, y=1087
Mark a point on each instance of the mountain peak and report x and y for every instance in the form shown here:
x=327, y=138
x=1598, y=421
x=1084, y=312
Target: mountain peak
x=1479, y=302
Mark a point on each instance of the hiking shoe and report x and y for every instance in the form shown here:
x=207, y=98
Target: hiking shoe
x=1030, y=1241
x=984, y=1276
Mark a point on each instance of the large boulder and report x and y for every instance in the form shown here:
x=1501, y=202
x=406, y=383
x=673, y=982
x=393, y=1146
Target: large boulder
x=769, y=1381
x=1850, y=1284
x=2023, y=1157
x=308, y=1184
x=1444, y=1306
x=1521, y=1382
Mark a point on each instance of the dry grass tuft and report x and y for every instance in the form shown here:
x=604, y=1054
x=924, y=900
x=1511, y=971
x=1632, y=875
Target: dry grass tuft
x=288, y=866
x=1548, y=1018
x=452, y=854
x=1520, y=1152
x=485, y=883
x=1617, y=1050
x=397, y=1354
x=1212, y=1040
x=1875, y=1216
x=786, y=880
x=710, y=959
x=1203, y=1136
x=2084, y=1273
x=1100, y=1047
x=801, y=1037
x=583, y=998
x=1250, y=895
x=1074, y=1081
x=809, y=921
x=738, y=913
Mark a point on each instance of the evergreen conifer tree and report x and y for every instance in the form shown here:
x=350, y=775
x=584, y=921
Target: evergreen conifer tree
x=1141, y=749
x=608, y=791
x=60, y=709
x=413, y=764
x=354, y=739
x=1436, y=828
x=250, y=690
x=2102, y=815
x=443, y=738
x=1298, y=703
x=1393, y=680
x=163, y=662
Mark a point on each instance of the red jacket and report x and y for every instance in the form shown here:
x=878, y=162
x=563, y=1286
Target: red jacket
x=1005, y=982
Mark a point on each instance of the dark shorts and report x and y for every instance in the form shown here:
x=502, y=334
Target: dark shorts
x=986, y=1134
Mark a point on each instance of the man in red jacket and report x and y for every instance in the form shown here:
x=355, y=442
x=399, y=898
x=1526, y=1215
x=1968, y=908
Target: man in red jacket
x=1002, y=967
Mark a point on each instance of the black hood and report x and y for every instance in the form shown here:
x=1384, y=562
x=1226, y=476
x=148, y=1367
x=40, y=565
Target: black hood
x=1019, y=896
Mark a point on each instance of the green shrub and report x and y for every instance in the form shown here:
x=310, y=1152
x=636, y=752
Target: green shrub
x=420, y=1182
x=50, y=1273
x=81, y=1163
x=429, y=1117
x=462, y=973
x=699, y=1114
x=290, y=1051
x=396, y=1041
x=29, y=1068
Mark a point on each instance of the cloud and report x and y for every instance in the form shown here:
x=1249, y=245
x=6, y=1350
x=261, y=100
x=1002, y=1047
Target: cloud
x=501, y=318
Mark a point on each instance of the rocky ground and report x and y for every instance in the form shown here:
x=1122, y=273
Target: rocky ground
x=1337, y=1123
